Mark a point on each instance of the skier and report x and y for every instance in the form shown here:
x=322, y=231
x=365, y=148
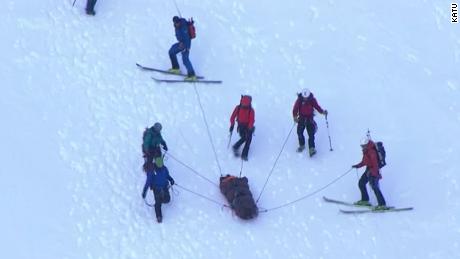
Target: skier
x=183, y=45
x=152, y=140
x=157, y=180
x=371, y=175
x=303, y=113
x=90, y=7
x=244, y=114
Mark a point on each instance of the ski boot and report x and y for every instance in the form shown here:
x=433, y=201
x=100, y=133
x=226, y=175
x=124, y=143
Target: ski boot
x=90, y=12
x=175, y=71
x=300, y=148
x=362, y=203
x=159, y=219
x=312, y=151
x=244, y=157
x=381, y=207
x=190, y=78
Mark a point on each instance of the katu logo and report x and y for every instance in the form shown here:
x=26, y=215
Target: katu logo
x=454, y=15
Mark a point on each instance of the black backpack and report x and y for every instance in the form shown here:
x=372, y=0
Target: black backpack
x=381, y=154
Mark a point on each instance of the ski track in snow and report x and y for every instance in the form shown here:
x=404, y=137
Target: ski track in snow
x=86, y=69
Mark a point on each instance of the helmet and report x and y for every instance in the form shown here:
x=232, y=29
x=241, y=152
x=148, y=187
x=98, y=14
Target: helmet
x=305, y=92
x=157, y=127
x=364, y=141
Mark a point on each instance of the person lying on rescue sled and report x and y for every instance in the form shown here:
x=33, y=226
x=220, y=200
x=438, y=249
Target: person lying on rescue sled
x=238, y=195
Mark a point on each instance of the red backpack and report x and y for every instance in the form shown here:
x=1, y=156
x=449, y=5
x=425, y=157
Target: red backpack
x=191, y=28
x=245, y=101
x=245, y=104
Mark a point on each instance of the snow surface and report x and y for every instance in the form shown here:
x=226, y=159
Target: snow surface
x=74, y=105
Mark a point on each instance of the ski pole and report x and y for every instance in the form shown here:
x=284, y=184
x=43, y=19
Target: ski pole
x=74, y=3
x=328, y=134
x=229, y=139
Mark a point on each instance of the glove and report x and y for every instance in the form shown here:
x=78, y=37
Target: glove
x=171, y=182
x=296, y=119
x=143, y=195
x=325, y=113
x=354, y=166
x=165, y=148
x=231, y=128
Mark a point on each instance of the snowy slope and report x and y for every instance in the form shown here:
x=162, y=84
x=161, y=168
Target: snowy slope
x=74, y=107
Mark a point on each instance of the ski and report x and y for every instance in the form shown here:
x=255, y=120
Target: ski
x=369, y=209
x=344, y=203
x=373, y=210
x=163, y=71
x=186, y=81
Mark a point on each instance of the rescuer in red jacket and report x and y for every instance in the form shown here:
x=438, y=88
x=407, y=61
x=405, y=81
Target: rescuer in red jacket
x=303, y=113
x=244, y=115
x=371, y=175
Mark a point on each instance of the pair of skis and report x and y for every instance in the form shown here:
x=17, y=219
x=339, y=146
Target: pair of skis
x=200, y=79
x=365, y=209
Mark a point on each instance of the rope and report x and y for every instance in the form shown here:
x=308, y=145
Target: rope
x=308, y=195
x=177, y=8
x=241, y=169
x=174, y=191
x=148, y=204
x=276, y=161
x=153, y=205
x=207, y=128
x=191, y=169
x=202, y=196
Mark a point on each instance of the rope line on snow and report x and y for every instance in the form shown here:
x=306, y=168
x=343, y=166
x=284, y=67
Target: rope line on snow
x=148, y=204
x=191, y=169
x=241, y=168
x=177, y=8
x=276, y=161
x=207, y=128
x=308, y=195
x=202, y=196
